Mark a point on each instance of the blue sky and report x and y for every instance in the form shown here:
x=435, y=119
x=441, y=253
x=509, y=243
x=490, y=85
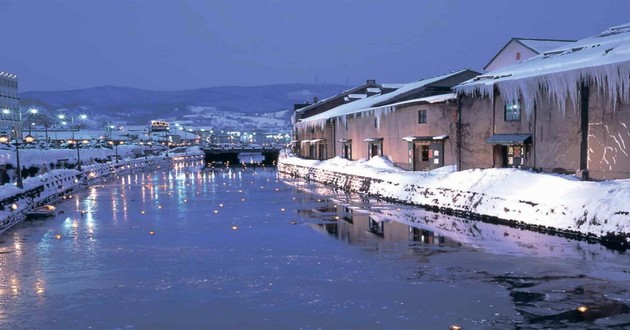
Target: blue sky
x=174, y=45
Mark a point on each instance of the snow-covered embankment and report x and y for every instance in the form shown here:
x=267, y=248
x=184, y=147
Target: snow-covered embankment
x=545, y=202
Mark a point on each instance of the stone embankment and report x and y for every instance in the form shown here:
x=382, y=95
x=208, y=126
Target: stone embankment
x=466, y=204
x=47, y=188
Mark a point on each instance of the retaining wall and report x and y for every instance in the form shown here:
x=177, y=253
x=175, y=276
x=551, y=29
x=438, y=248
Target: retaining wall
x=467, y=204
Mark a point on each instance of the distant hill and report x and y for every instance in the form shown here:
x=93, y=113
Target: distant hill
x=203, y=107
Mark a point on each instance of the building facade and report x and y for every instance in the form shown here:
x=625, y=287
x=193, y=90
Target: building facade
x=564, y=111
x=416, y=135
x=10, y=121
x=411, y=125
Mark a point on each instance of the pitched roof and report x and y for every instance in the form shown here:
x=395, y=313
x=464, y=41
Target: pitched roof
x=354, y=90
x=369, y=103
x=543, y=45
x=535, y=45
x=603, y=58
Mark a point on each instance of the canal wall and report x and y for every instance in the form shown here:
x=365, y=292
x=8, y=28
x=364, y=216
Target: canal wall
x=50, y=187
x=565, y=219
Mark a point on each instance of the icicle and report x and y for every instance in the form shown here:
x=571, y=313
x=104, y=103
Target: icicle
x=612, y=80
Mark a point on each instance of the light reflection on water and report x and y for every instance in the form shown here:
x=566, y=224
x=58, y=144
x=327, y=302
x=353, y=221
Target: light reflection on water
x=234, y=248
x=544, y=296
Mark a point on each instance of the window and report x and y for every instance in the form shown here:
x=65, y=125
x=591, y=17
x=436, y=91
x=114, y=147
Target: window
x=375, y=123
x=422, y=116
x=513, y=111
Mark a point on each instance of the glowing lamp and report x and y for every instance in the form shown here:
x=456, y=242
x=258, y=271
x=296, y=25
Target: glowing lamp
x=582, y=309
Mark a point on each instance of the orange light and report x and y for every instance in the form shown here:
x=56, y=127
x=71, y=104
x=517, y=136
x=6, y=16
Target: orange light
x=58, y=236
x=582, y=309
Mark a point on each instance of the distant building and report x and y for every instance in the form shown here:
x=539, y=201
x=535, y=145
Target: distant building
x=10, y=105
x=518, y=50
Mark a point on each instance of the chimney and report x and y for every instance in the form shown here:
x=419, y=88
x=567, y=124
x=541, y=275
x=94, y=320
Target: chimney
x=371, y=82
x=315, y=99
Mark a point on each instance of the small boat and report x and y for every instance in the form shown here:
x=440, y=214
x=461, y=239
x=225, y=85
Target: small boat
x=41, y=212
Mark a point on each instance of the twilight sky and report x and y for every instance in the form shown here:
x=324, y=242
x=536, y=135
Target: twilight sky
x=179, y=44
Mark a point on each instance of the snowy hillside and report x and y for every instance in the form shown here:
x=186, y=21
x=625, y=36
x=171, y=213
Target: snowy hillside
x=236, y=120
x=222, y=107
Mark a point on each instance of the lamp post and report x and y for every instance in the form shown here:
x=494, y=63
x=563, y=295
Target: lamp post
x=77, y=145
x=116, y=148
x=27, y=139
x=32, y=112
x=62, y=117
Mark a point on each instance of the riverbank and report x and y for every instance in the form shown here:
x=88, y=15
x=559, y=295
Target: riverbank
x=56, y=184
x=557, y=204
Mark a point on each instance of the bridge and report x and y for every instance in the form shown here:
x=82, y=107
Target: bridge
x=231, y=154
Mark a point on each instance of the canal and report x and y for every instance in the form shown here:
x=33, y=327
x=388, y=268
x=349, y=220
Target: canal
x=246, y=248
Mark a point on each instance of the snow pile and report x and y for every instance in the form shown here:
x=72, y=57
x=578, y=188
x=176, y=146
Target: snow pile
x=546, y=200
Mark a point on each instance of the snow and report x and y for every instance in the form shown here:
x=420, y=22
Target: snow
x=366, y=105
x=557, y=201
x=37, y=157
x=231, y=120
x=602, y=60
x=541, y=46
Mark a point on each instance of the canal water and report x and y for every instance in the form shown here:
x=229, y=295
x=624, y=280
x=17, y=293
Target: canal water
x=247, y=248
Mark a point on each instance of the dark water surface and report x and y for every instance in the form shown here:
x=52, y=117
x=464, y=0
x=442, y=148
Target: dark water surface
x=241, y=249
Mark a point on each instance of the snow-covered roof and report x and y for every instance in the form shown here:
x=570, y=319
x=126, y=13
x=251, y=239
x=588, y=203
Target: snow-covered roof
x=603, y=59
x=343, y=95
x=369, y=103
x=543, y=45
x=393, y=86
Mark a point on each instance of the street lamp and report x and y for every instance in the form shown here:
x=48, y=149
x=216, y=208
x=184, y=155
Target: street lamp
x=32, y=112
x=116, y=148
x=28, y=139
x=77, y=146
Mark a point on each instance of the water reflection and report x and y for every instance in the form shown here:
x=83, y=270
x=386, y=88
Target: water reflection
x=290, y=254
x=576, y=295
